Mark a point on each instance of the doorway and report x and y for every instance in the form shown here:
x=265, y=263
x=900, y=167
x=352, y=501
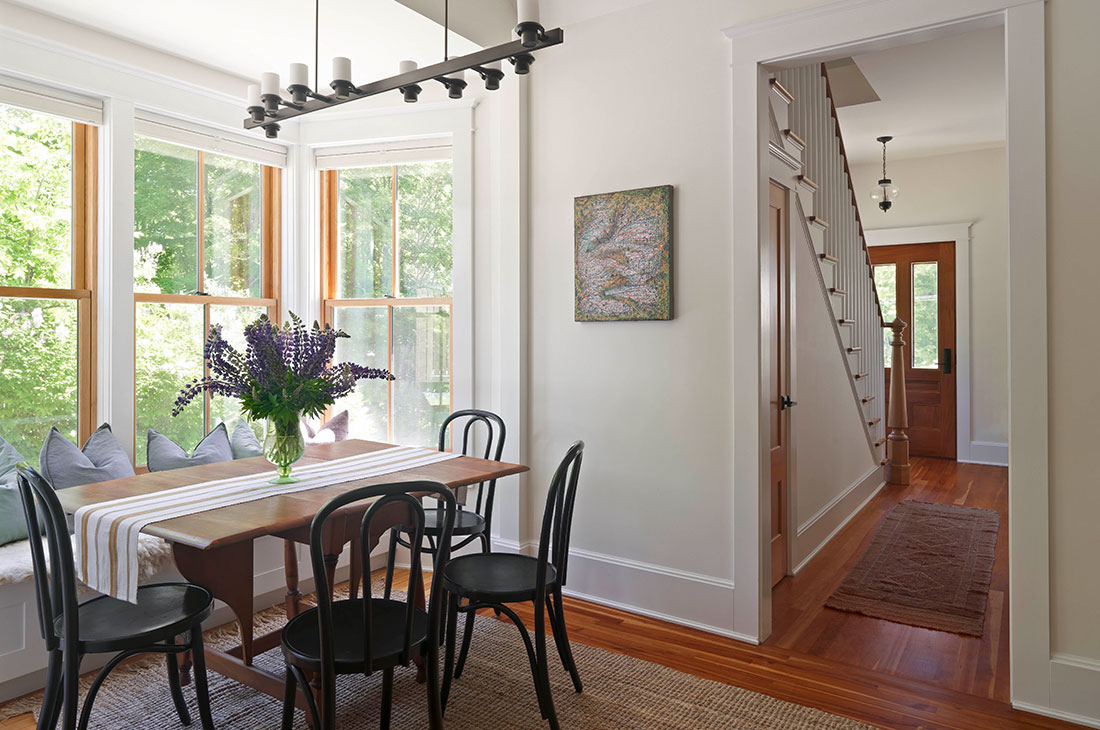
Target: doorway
x=916, y=283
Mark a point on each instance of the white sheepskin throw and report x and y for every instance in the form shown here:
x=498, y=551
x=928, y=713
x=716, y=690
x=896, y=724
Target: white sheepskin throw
x=154, y=556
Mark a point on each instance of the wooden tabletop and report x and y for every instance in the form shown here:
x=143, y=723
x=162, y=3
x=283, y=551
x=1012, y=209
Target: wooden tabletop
x=247, y=521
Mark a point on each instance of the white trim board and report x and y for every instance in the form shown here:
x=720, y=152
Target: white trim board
x=959, y=233
x=823, y=526
x=841, y=29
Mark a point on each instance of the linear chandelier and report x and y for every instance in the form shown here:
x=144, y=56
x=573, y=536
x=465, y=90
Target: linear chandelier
x=267, y=105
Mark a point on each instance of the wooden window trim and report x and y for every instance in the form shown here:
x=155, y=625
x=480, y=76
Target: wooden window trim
x=85, y=207
x=270, y=267
x=329, y=189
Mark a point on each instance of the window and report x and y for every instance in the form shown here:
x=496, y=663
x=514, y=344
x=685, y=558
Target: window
x=926, y=326
x=886, y=283
x=205, y=253
x=387, y=281
x=47, y=274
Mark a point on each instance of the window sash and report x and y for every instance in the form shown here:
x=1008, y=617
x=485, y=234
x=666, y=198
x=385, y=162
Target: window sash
x=85, y=155
x=195, y=136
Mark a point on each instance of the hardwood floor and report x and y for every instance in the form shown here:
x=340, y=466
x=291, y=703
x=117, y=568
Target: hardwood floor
x=801, y=623
x=888, y=675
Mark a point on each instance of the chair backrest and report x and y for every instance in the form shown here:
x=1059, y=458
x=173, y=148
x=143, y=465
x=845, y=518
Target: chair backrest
x=494, y=432
x=55, y=590
x=557, y=516
x=393, y=500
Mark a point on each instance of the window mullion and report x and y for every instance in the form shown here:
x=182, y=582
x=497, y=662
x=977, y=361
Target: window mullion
x=201, y=203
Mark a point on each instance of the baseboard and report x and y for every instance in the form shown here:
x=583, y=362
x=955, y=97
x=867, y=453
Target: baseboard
x=823, y=526
x=1075, y=688
x=994, y=453
x=1056, y=714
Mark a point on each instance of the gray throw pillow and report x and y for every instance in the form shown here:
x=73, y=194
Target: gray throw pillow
x=336, y=429
x=13, y=523
x=244, y=442
x=163, y=453
x=101, y=458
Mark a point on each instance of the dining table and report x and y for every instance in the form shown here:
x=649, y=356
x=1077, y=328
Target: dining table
x=214, y=548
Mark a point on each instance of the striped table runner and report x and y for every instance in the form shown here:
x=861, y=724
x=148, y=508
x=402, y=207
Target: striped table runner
x=107, y=532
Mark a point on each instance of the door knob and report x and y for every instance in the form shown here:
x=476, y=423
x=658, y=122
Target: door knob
x=785, y=402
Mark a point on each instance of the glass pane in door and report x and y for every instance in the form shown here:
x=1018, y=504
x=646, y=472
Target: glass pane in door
x=886, y=282
x=926, y=331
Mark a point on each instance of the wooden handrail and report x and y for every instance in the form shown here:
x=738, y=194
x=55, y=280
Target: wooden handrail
x=851, y=189
x=897, y=420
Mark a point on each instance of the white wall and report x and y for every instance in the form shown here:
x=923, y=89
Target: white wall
x=834, y=471
x=962, y=187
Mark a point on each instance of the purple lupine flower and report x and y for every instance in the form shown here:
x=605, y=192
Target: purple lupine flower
x=284, y=371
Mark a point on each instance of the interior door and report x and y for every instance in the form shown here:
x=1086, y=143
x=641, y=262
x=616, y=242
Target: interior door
x=774, y=292
x=916, y=282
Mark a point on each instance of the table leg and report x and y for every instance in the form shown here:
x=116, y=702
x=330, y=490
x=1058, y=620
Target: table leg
x=290, y=566
x=227, y=573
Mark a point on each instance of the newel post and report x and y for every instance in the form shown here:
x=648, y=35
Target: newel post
x=897, y=420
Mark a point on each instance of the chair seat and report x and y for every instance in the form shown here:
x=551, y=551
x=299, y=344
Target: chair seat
x=467, y=522
x=302, y=642
x=162, y=612
x=495, y=577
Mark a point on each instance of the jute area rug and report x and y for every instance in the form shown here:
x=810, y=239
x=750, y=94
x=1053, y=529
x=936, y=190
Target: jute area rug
x=928, y=565
x=495, y=693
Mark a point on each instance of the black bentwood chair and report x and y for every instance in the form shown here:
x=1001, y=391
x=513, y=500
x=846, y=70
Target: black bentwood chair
x=473, y=524
x=104, y=625
x=495, y=579
x=363, y=635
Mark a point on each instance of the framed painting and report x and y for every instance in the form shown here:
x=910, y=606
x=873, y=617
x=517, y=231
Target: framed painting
x=623, y=255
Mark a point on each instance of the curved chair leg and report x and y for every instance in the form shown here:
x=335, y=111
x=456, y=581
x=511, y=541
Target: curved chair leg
x=311, y=701
x=173, y=667
x=72, y=688
x=542, y=679
x=51, y=698
x=450, y=634
x=467, y=636
x=391, y=562
x=556, y=609
x=202, y=689
x=290, y=691
x=387, y=698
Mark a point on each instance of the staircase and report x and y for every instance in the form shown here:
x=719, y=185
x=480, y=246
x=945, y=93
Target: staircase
x=806, y=148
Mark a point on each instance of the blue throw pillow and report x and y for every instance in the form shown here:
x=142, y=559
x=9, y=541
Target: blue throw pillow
x=13, y=522
x=102, y=458
x=244, y=442
x=163, y=453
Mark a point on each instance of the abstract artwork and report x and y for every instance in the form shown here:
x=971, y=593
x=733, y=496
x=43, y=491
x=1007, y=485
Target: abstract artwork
x=623, y=250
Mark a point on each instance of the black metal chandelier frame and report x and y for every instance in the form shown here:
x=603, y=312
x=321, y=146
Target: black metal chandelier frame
x=531, y=37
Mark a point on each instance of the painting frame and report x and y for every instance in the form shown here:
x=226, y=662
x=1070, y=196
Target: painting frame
x=622, y=255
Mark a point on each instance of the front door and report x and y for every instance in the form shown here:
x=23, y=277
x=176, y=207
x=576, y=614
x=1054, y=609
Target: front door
x=773, y=285
x=916, y=282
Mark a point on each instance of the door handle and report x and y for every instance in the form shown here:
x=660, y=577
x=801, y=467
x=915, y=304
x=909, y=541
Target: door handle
x=947, y=361
x=785, y=402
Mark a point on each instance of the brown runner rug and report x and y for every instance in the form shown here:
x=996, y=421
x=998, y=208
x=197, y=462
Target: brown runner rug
x=928, y=565
x=496, y=692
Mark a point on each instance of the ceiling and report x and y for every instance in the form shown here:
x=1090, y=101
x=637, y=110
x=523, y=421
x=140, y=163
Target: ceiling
x=247, y=37
x=937, y=97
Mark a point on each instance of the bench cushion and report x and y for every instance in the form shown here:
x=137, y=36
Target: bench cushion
x=154, y=556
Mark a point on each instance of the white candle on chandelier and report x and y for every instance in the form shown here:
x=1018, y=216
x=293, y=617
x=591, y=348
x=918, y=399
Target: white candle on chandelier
x=457, y=74
x=528, y=11
x=406, y=66
x=269, y=84
x=254, y=95
x=341, y=69
x=495, y=65
x=299, y=74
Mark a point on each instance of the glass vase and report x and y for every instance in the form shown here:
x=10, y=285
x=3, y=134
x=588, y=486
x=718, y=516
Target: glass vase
x=283, y=446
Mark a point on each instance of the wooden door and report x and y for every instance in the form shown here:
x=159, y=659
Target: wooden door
x=916, y=282
x=773, y=274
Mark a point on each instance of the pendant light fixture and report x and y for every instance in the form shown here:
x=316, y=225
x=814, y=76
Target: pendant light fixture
x=886, y=192
x=267, y=106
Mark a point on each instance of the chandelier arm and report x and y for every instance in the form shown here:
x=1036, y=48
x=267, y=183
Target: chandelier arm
x=513, y=51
